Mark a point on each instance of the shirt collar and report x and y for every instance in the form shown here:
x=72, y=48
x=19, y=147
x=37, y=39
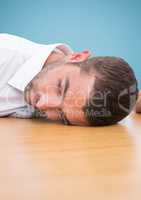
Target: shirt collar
x=34, y=65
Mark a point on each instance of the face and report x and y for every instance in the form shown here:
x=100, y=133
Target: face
x=61, y=90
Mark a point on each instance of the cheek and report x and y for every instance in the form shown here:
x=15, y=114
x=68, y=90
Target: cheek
x=72, y=106
x=75, y=97
x=75, y=116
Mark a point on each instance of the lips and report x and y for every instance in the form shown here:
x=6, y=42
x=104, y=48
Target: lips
x=40, y=114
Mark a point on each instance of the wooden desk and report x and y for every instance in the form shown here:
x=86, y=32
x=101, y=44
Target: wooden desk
x=44, y=161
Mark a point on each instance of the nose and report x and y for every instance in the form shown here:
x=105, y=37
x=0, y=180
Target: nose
x=47, y=101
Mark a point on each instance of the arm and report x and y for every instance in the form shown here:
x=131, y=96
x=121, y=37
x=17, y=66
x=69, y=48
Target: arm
x=138, y=105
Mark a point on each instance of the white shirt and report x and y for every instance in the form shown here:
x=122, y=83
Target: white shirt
x=20, y=61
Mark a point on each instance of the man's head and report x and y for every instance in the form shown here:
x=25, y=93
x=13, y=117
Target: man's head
x=83, y=90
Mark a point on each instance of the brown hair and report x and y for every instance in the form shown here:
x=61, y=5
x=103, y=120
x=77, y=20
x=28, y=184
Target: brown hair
x=114, y=92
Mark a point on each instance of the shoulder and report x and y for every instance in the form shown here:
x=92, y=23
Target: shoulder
x=4, y=36
x=9, y=37
x=9, y=41
x=16, y=43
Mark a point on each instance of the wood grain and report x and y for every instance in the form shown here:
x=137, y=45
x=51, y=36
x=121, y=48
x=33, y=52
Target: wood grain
x=47, y=161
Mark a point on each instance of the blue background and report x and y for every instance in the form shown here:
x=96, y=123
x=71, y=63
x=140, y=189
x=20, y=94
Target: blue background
x=105, y=27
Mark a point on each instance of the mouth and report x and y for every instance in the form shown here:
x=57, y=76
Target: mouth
x=40, y=114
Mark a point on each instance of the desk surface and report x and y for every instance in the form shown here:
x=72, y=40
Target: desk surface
x=46, y=161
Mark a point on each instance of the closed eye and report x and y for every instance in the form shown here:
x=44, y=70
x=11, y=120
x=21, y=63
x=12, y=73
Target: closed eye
x=59, y=87
x=62, y=90
x=62, y=87
x=66, y=87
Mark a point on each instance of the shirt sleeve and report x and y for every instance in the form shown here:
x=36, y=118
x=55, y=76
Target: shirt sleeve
x=17, y=43
x=10, y=60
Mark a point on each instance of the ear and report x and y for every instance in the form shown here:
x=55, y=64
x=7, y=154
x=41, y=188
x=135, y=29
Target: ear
x=78, y=57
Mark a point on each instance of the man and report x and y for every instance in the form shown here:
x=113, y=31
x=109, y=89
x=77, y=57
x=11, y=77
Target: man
x=51, y=81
